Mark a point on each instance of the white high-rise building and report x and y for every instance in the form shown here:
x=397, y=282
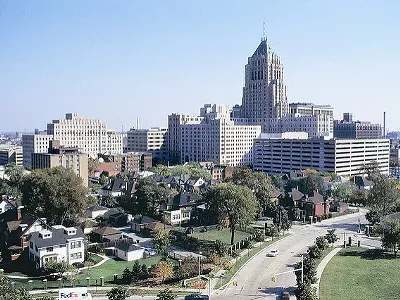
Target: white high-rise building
x=90, y=135
x=153, y=140
x=34, y=143
x=214, y=136
x=264, y=92
x=292, y=151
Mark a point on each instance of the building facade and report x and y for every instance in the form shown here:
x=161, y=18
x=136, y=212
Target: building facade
x=11, y=154
x=279, y=154
x=70, y=158
x=349, y=129
x=129, y=163
x=34, y=143
x=216, y=137
x=153, y=140
x=90, y=135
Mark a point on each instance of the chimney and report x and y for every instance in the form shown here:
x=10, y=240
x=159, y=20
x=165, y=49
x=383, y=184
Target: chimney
x=19, y=214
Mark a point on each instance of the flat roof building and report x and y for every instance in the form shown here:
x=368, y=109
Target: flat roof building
x=11, y=154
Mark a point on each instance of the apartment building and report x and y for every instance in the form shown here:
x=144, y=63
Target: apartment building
x=153, y=140
x=90, y=135
x=286, y=152
x=132, y=162
x=67, y=157
x=349, y=129
x=11, y=154
x=215, y=136
x=34, y=143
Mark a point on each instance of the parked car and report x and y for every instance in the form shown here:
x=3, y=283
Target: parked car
x=150, y=251
x=273, y=253
x=285, y=296
x=197, y=297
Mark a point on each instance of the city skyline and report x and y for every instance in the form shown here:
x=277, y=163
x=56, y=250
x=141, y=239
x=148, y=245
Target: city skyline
x=101, y=61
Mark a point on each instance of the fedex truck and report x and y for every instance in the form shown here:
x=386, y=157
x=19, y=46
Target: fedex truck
x=77, y=293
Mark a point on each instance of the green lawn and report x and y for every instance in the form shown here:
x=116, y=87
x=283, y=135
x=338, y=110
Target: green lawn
x=360, y=274
x=223, y=235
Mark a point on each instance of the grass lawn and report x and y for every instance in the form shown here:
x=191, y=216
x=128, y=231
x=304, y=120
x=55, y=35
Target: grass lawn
x=361, y=274
x=223, y=235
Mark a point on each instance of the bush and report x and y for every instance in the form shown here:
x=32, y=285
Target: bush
x=247, y=244
x=329, y=215
x=219, y=248
x=321, y=243
x=259, y=235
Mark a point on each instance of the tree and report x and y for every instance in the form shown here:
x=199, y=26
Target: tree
x=391, y=235
x=306, y=291
x=311, y=183
x=189, y=267
x=342, y=191
x=118, y=293
x=60, y=267
x=11, y=184
x=145, y=272
x=309, y=271
x=127, y=276
x=160, y=240
x=384, y=195
x=281, y=219
x=136, y=271
x=56, y=194
x=358, y=197
x=314, y=252
x=232, y=202
x=150, y=196
x=93, y=164
x=165, y=294
x=219, y=248
x=8, y=292
x=163, y=270
x=321, y=242
x=331, y=236
x=108, y=201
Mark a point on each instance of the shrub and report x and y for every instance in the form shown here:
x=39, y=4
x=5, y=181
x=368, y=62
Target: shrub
x=219, y=248
x=259, y=235
x=247, y=244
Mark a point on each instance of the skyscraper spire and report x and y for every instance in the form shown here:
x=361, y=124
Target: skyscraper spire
x=264, y=36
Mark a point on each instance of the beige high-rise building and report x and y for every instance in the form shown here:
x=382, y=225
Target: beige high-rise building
x=34, y=143
x=214, y=136
x=90, y=135
x=153, y=140
x=11, y=154
x=264, y=91
x=66, y=157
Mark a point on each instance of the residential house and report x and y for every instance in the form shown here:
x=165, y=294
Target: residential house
x=297, y=197
x=338, y=206
x=139, y=223
x=7, y=203
x=362, y=183
x=58, y=244
x=276, y=196
x=115, y=188
x=316, y=205
x=95, y=211
x=105, y=234
x=128, y=251
x=194, y=184
x=180, y=207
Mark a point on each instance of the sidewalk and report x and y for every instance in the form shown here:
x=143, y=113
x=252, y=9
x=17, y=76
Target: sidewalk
x=322, y=265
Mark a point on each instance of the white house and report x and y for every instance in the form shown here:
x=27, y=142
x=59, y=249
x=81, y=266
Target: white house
x=58, y=243
x=96, y=210
x=176, y=217
x=128, y=251
x=6, y=204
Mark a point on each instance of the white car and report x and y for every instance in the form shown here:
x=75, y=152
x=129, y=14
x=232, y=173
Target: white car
x=273, y=253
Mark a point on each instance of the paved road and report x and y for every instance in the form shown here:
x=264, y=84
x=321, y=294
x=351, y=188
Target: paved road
x=254, y=280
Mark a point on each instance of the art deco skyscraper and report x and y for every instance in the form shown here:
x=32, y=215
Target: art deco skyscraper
x=264, y=92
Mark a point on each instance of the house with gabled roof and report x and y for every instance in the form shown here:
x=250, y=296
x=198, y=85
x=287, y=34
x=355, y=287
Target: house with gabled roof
x=115, y=188
x=194, y=184
x=180, y=207
x=316, y=205
x=297, y=197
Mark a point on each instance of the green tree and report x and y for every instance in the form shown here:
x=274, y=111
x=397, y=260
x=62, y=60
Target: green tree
x=160, y=241
x=12, y=182
x=118, y=293
x=136, y=271
x=145, y=272
x=56, y=194
x=391, y=235
x=59, y=267
x=108, y=201
x=342, y=191
x=8, y=292
x=384, y=195
x=127, y=276
x=331, y=236
x=166, y=294
x=309, y=270
x=314, y=252
x=150, y=196
x=311, y=183
x=219, y=248
x=306, y=291
x=232, y=202
x=281, y=219
x=321, y=242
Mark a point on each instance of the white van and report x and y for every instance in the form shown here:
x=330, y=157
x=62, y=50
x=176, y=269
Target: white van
x=77, y=293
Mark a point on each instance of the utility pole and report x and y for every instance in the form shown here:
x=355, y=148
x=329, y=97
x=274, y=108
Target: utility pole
x=302, y=268
x=344, y=239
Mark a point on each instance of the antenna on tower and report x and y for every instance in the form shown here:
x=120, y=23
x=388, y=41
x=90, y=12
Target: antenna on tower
x=264, y=36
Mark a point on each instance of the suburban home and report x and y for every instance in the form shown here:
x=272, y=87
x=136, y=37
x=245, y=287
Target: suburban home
x=316, y=205
x=139, y=223
x=14, y=231
x=338, y=206
x=58, y=243
x=179, y=207
x=128, y=251
x=95, y=211
x=105, y=234
x=7, y=203
x=177, y=217
x=194, y=184
x=115, y=188
x=362, y=183
x=297, y=197
x=89, y=225
x=276, y=196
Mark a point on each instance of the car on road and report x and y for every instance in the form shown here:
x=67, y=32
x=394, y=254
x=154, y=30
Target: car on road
x=273, y=253
x=196, y=297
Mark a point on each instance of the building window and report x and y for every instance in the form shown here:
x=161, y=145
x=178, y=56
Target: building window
x=76, y=255
x=49, y=249
x=76, y=244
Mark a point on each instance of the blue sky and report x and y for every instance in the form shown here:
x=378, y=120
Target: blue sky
x=119, y=60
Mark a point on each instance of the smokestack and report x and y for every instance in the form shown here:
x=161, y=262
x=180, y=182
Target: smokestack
x=384, y=124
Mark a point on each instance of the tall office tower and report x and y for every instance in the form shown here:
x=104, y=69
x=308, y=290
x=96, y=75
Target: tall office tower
x=90, y=135
x=264, y=91
x=215, y=136
x=34, y=143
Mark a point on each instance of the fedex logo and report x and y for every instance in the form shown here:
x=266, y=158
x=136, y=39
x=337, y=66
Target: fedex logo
x=68, y=295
